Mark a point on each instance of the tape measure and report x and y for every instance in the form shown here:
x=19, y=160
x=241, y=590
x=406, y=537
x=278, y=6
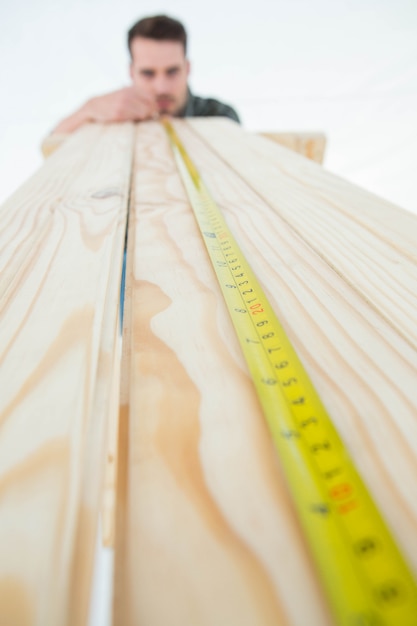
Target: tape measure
x=363, y=573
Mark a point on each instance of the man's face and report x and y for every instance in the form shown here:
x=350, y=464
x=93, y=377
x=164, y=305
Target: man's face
x=160, y=70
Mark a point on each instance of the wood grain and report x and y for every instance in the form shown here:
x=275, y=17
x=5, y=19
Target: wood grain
x=62, y=245
x=209, y=533
x=371, y=243
x=52, y=142
x=210, y=537
x=310, y=145
x=206, y=534
x=364, y=370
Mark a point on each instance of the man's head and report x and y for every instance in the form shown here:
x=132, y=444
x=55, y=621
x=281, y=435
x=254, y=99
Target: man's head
x=159, y=67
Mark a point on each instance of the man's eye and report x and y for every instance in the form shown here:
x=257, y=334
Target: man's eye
x=146, y=73
x=173, y=71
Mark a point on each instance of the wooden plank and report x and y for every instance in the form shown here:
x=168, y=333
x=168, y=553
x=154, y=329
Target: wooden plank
x=371, y=243
x=390, y=222
x=52, y=142
x=362, y=367
x=58, y=322
x=27, y=215
x=209, y=536
x=310, y=145
x=208, y=533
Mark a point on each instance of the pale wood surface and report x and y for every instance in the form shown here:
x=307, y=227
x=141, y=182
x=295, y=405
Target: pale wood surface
x=310, y=145
x=209, y=535
x=208, y=523
x=371, y=243
x=62, y=238
x=343, y=320
x=52, y=142
x=206, y=533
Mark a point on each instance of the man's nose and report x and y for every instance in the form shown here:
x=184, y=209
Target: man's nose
x=161, y=84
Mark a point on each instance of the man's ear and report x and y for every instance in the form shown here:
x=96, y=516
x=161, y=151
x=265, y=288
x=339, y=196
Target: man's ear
x=131, y=70
x=187, y=66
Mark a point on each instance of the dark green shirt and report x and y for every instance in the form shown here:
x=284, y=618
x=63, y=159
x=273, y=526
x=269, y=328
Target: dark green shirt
x=207, y=107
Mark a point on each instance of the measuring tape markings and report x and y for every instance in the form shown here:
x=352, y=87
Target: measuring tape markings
x=367, y=581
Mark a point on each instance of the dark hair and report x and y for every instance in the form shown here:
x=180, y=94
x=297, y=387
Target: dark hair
x=159, y=27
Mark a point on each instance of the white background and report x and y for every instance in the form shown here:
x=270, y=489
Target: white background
x=344, y=67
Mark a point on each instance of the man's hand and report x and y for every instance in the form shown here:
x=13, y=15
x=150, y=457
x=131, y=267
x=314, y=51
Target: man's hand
x=118, y=106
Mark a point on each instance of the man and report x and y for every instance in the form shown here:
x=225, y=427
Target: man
x=159, y=71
